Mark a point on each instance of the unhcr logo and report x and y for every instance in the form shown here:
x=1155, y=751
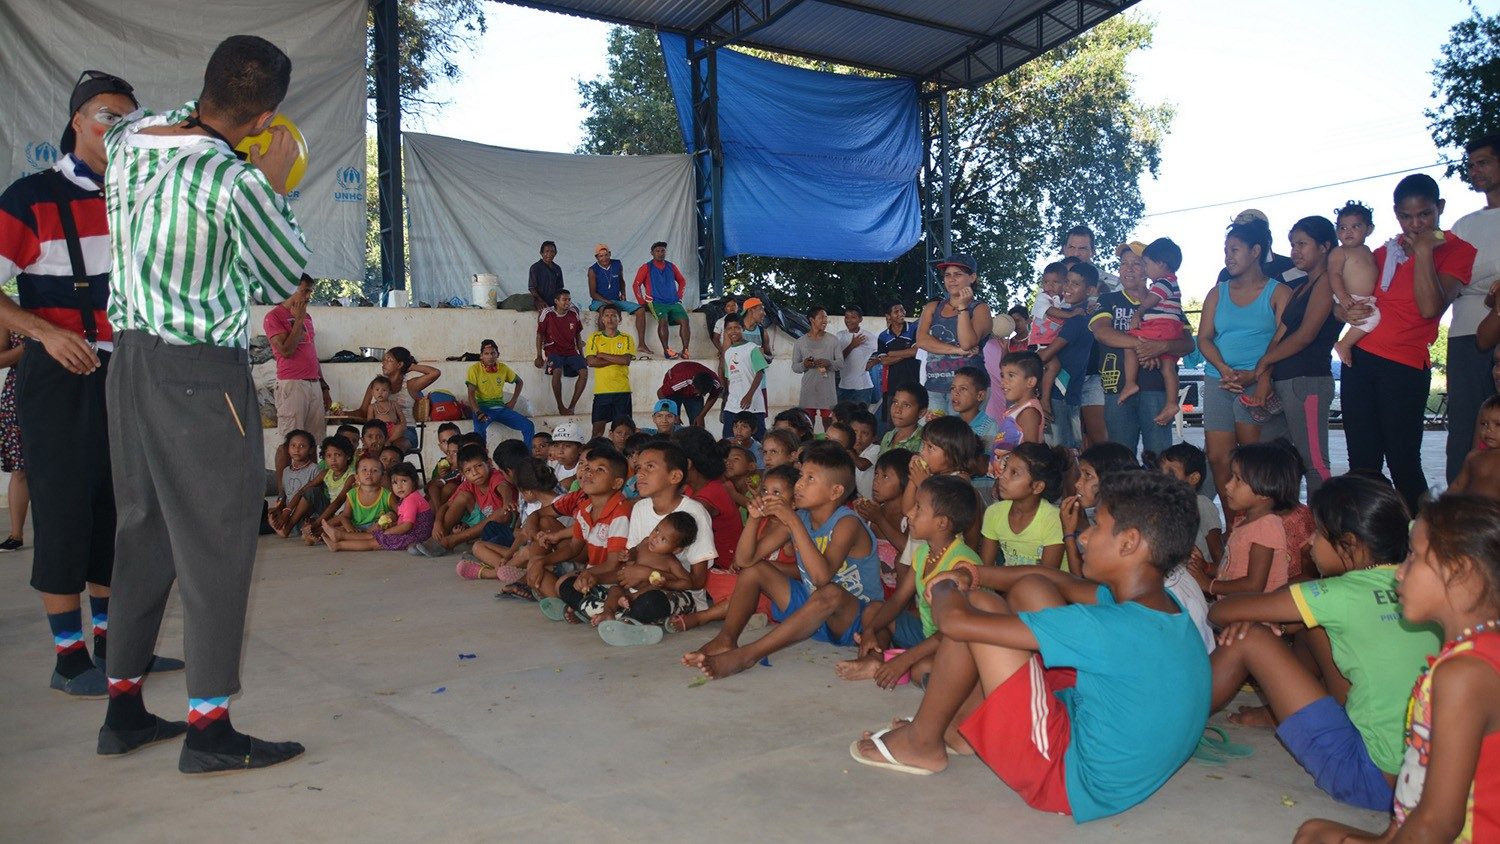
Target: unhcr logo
x=349, y=185
x=41, y=155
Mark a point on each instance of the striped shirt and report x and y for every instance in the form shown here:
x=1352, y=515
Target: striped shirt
x=199, y=235
x=34, y=251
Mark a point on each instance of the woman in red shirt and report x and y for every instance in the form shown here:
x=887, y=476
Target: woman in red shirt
x=1385, y=388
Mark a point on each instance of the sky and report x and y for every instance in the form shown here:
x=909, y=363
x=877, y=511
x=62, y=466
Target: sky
x=1271, y=97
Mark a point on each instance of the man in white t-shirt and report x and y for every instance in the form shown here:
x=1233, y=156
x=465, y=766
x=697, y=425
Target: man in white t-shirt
x=1469, y=379
x=856, y=345
x=745, y=369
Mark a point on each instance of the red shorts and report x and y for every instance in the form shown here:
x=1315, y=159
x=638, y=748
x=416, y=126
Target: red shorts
x=1159, y=329
x=720, y=585
x=1022, y=732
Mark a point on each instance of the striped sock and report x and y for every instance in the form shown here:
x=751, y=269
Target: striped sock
x=127, y=711
x=99, y=609
x=67, y=640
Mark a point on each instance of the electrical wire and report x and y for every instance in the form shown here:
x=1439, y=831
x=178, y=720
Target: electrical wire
x=1294, y=191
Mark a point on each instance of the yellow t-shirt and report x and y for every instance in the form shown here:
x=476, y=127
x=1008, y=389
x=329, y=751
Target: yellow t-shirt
x=489, y=387
x=616, y=377
x=1024, y=548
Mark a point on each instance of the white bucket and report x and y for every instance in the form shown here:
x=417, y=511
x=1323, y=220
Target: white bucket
x=486, y=290
x=398, y=298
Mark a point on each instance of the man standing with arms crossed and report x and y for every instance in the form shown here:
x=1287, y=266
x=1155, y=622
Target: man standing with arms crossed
x=198, y=234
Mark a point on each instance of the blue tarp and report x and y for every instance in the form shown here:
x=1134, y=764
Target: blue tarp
x=816, y=165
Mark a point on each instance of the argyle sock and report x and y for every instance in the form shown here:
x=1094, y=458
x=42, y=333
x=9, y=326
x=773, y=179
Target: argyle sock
x=99, y=609
x=209, y=727
x=67, y=638
x=127, y=711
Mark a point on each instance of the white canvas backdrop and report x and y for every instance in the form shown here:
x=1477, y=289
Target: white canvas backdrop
x=475, y=208
x=161, y=47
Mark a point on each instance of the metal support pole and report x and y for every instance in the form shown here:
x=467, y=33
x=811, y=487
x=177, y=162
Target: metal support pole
x=708, y=168
x=937, y=186
x=388, y=145
x=947, y=167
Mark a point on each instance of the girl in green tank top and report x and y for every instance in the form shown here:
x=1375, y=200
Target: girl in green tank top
x=366, y=502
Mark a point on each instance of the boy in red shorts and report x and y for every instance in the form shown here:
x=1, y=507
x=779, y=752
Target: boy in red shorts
x=1093, y=691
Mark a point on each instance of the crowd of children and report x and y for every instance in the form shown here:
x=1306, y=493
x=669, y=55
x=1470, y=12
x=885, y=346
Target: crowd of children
x=1072, y=618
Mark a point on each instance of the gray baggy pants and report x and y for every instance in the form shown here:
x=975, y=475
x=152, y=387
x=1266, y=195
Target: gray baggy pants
x=188, y=480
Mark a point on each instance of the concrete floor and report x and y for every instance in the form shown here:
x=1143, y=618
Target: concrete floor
x=547, y=735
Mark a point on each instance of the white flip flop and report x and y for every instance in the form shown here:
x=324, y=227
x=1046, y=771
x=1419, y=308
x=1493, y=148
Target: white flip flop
x=890, y=763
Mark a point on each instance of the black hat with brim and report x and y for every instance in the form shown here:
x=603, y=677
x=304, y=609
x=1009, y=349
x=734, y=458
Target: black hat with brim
x=91, y=84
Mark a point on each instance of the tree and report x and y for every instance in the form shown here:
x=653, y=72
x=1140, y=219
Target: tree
x=630, y=107
x=433, y=33
x=1466, y=86
x=1060, y=140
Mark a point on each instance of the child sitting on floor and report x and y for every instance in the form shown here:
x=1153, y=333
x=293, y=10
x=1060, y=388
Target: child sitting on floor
x=633, y=445
x=740, y=475
x=322, y=496
x=1263, y=480
x=949, y=447
x=1446, y=788
x=1351, y=747
x=541, y=445
x=600, y=533
x=385, y=410
x=1480, y=474
x=779, y=483
x=390, y=457
x=445, y=476
x=299, y=472
x=1024, y=527
x=781, y=447
x=483, y=499
x=839, y=572
x=658, y=552
x=944, y=506
x=567, y=447
x=363, y=505
x=908, y=408
x=744, y=435
x=620, y=430
x=1187, y=463
x=866, y=450
x=351, y=435
x=1095, y=464
x=411, y=524
x=883, y=513
x=1094, y=692
x=372, y=439
x=536, y=486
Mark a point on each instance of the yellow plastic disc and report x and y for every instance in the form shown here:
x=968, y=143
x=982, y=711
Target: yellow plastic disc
x=260, y=143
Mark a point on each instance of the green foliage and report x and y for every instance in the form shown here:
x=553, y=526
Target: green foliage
x=630, y=106
x=1059, y=141
x=1440, y=354
x=433, y=34
x=1466, y=87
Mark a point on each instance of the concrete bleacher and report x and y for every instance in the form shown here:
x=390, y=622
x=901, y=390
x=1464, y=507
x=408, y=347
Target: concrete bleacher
x=433, y=334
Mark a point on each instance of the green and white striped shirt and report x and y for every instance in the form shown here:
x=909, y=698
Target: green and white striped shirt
x=193, y=248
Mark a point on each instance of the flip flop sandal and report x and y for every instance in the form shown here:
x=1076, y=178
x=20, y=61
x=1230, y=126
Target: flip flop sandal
x=952, y=751
x=1207, y=757
x=629, y=632
x=518, y=591
x=553, y=608
x=1217, y=740
x=676, y=624
x=890, y=763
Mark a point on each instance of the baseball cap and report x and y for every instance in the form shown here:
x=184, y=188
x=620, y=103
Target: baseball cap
x=752, y=302
x=959, y=259
x=1249, y=214
x=1134, y=246
x=600, y=247
x=91, y=83
x=567, y=432
x=665, y=404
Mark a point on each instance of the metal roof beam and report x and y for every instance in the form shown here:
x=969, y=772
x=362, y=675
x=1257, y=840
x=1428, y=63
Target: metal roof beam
x=1026, y=37
x=902, y=18
x=720, y=34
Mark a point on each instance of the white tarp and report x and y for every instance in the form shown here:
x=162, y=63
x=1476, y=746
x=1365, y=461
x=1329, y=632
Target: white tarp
x=161, y=47
x=476, y=208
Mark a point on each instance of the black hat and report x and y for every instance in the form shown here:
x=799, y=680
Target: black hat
x=959, y=259
x=91, y=83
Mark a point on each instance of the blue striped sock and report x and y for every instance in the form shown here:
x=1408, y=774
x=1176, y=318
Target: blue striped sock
x=67, y=641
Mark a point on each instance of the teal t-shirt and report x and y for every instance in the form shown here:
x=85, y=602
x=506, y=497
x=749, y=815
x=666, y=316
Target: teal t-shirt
x=1140, y=701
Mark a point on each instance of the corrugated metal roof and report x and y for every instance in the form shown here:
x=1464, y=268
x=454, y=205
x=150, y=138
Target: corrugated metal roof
x=956, y=43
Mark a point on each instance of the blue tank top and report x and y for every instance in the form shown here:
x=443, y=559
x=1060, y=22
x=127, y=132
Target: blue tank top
x=1243, y=333
x=860, y=576
x=940, y=368
x=609, y=281
x=663, y=282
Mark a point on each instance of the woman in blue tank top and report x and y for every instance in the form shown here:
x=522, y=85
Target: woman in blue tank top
x=1240, y=318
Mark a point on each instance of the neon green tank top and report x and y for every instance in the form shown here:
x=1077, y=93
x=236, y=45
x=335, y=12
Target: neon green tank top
x=364, y=516
x=332, y=485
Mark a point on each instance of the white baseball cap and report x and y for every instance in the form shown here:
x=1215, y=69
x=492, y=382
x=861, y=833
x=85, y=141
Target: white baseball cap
x=567, y=432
